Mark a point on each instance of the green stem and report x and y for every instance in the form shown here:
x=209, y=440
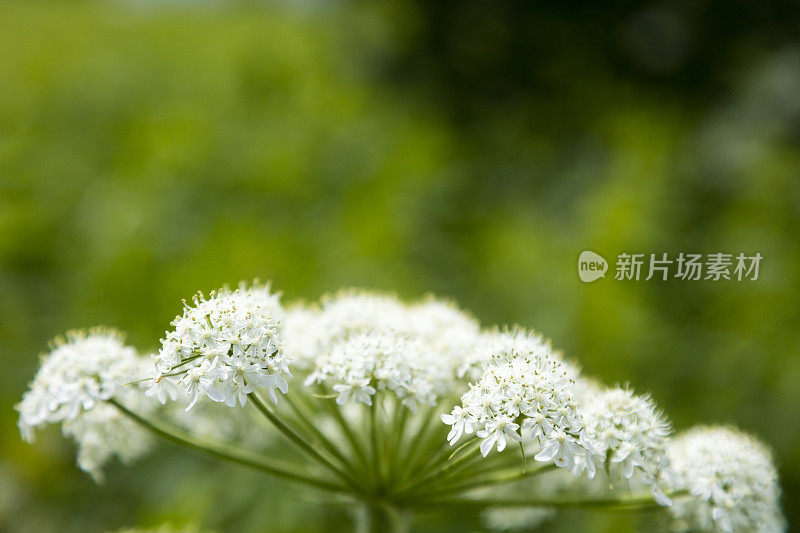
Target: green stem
x=445, y=469
x=305, y=419
x=187, y=360
x=488, y=465
x=417, y=438
x=629, y=502
x=375, y=441
x=380, y=517
x=487, y=481
x=424, y=444
x=358, y=449
x=296, y=439
x=226, y=452
x=396, y=442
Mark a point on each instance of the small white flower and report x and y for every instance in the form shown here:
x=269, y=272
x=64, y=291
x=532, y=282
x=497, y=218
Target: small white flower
x=358, y=366
x=358, y=390
x=276, y=382
x=536, y=426
x=161, y=387
x=460, y=421
x=561, y=448
x=243, y=376
x=104, y=432
x=200, y=380
x=82, y=369
x=498, y=432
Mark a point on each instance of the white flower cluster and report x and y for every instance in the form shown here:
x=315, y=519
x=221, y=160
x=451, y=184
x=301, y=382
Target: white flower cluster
x=525, y=391
x=447, y=334
x=731, y=479
x=223, y=347
x=103, y=432
x=628, y=436
x=386, y=359
x=82, y=370
x=310, y=331
x=358, y=343
x=473, y=361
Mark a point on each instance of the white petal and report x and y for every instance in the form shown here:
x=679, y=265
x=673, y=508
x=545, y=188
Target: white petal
x=488, y=443
x=212, y=392
x=548, y=452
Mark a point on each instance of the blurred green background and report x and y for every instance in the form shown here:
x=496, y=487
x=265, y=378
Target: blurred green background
x=470, y=149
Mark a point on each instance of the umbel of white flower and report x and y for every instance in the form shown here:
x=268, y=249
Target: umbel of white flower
x=731, y=478
x=81, y=372
x=223, y=347
x=358, y=343
x=628, y=437
x=525, y=391
x=525, y=435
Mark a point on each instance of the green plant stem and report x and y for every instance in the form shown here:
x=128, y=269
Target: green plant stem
x=396, y=442
x=469, y=468
x=444, y=469
x=629, y=502
x=358, y=449
x=305, y=420
x=492, y=464
x=423, y=444
x=444, y=455
x=227, y=453
x=487, y=481
x=375, y=449
x=296, y=439
x=417, y=438
x=381, y=517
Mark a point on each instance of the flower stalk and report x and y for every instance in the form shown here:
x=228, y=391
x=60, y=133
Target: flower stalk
x=229, y=453
x=301, y=443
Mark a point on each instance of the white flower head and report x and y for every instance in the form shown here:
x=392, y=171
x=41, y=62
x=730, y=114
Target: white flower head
x=446, y=333
x=487, y=344
x=360, y=342
x=351, y=312
x=224, y=347
x=525, y=391
x=731, y=480
x=104, y=432
x=82, y=370
x=627, y=435
x=311, y=331
x=302, y=328
x=357, y=367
